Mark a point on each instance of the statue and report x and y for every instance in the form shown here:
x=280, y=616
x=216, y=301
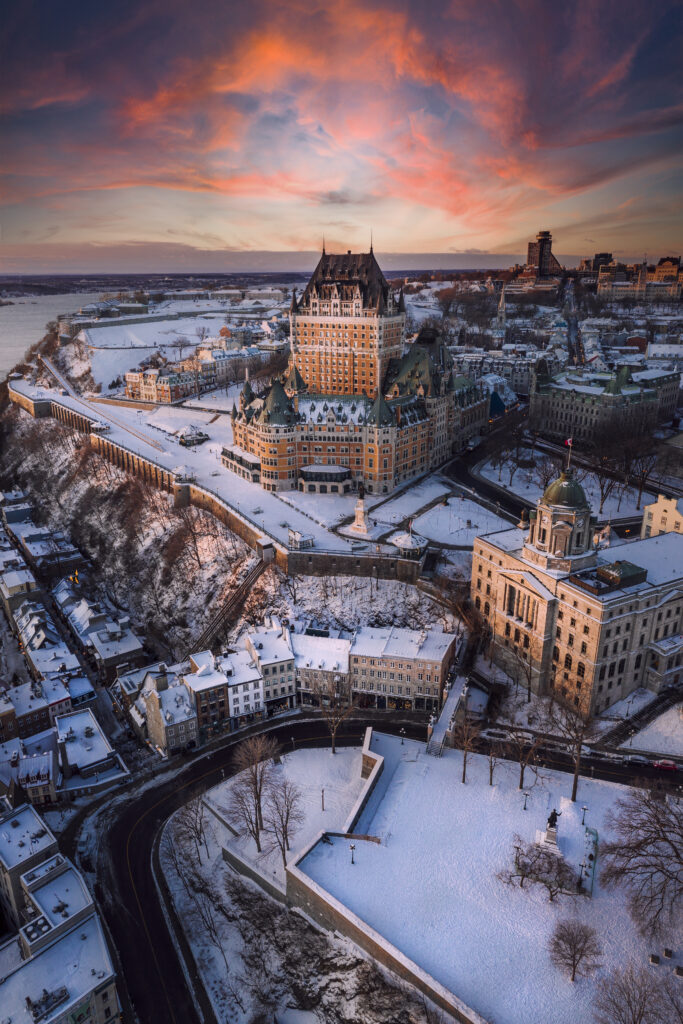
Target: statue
x=552, y=819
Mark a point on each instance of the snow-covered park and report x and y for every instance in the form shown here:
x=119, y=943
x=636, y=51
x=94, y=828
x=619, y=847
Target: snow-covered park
x=458, y=522
x=662, y=736
x=430, y=887
x=311, y=771
x=526, y=483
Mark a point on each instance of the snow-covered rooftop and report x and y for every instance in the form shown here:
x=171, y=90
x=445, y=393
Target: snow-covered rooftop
x=67, y=971
x=23, y=833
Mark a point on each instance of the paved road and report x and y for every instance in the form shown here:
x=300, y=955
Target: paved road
x=125, y=889
x=124, y=886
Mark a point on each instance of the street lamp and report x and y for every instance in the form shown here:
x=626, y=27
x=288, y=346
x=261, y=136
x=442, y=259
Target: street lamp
x=322, y=797
x=630, y=742
x=582, y=868
x=583, y=819
x=403, y=733
x=526, y=797
x=293, y=743
x=353, y=847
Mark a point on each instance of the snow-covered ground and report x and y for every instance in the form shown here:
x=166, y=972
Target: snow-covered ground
x=264, y=962
x=409, y=502
x=662, y=736
x=310, y=770
x=525, y=483
x=458, y=522
x=621, y=710
x=431, y=888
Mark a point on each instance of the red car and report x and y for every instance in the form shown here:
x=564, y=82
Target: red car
x=665, y=766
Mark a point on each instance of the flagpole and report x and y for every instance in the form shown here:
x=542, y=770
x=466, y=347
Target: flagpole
x=569, y=456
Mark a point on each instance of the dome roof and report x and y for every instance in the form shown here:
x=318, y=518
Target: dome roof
x=565, y=491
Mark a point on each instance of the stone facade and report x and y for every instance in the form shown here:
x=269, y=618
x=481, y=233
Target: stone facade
x=564, y=616
x=591, y=408
x=353, y=409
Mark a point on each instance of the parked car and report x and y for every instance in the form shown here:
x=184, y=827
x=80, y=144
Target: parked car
x=636, y=760
x=665, y=766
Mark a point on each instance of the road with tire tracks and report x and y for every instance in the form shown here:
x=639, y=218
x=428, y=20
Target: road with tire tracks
x=155, y=984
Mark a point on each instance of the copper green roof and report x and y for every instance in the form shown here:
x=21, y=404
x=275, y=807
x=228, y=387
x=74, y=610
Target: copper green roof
x=380, y=414
x=277, y=409
x=565, y=491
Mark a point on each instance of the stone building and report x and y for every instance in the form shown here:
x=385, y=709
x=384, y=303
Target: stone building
x=593, y=407
x=665, y=515
x=353, y=408
x=568, y=617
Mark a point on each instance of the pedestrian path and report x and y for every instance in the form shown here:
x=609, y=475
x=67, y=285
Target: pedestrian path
x=436, y=740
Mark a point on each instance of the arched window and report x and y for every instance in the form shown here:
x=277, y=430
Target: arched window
x=567, y=661
x=477, y=602
x=581, y=670
x=487, y=608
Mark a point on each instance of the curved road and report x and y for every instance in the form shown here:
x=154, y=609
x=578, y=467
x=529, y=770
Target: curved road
x=124, y=885
x=125, y=888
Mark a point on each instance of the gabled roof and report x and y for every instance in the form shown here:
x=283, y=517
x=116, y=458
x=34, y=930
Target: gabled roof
x=294, y=382
x=380, y=414
x=277, y=408
x=347, y=275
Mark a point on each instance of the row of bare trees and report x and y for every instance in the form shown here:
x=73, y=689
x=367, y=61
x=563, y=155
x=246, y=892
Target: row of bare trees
x=628, y=995
x=264, y=805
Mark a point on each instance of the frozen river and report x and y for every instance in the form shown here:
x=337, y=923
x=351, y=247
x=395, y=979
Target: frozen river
x=23, y=323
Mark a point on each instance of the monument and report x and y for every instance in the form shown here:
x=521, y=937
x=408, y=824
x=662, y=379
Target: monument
x=551, y=828
x=360, y=524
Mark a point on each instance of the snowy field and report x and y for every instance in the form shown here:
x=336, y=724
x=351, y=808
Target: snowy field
x=310, y=770
x=396, y=510
x=663, y=736
x=458, y=522
x=431, y=889
x=525, y=483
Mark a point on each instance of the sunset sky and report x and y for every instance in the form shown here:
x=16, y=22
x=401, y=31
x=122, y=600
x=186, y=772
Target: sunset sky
x=162, y=133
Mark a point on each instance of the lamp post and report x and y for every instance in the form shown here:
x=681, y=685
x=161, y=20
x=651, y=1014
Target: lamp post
x=293, y=743
x=582, y=868
x=403, y=733
x=583, y=819
x=322, y=797
x=526, y=797
x=630, y=742
x=353, y=847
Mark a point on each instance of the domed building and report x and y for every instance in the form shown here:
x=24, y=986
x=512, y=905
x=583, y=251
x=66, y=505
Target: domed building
x=567, y=616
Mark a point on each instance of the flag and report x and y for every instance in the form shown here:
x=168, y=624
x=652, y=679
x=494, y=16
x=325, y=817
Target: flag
x=568, y=442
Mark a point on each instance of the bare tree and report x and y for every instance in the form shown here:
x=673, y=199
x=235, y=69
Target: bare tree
x=284, y=815
x=253, y=759
x=646, y=857
x=524, y=750
x=604, y=477
x=191, y=825
x=337, y=703
x=242, y=814
x=204, y=905
x=546, y=471
x=573, y=728
x=629, y=995
x=540, y=865
x=574, y=947
x=495, y=756
x=466, y=736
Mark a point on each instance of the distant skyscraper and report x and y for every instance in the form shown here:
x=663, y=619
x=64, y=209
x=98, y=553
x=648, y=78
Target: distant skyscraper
x=540, y=256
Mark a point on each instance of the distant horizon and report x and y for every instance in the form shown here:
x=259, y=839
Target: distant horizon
x=134, y=259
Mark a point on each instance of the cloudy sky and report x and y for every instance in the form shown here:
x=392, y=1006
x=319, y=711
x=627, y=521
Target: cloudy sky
x=170, y=129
